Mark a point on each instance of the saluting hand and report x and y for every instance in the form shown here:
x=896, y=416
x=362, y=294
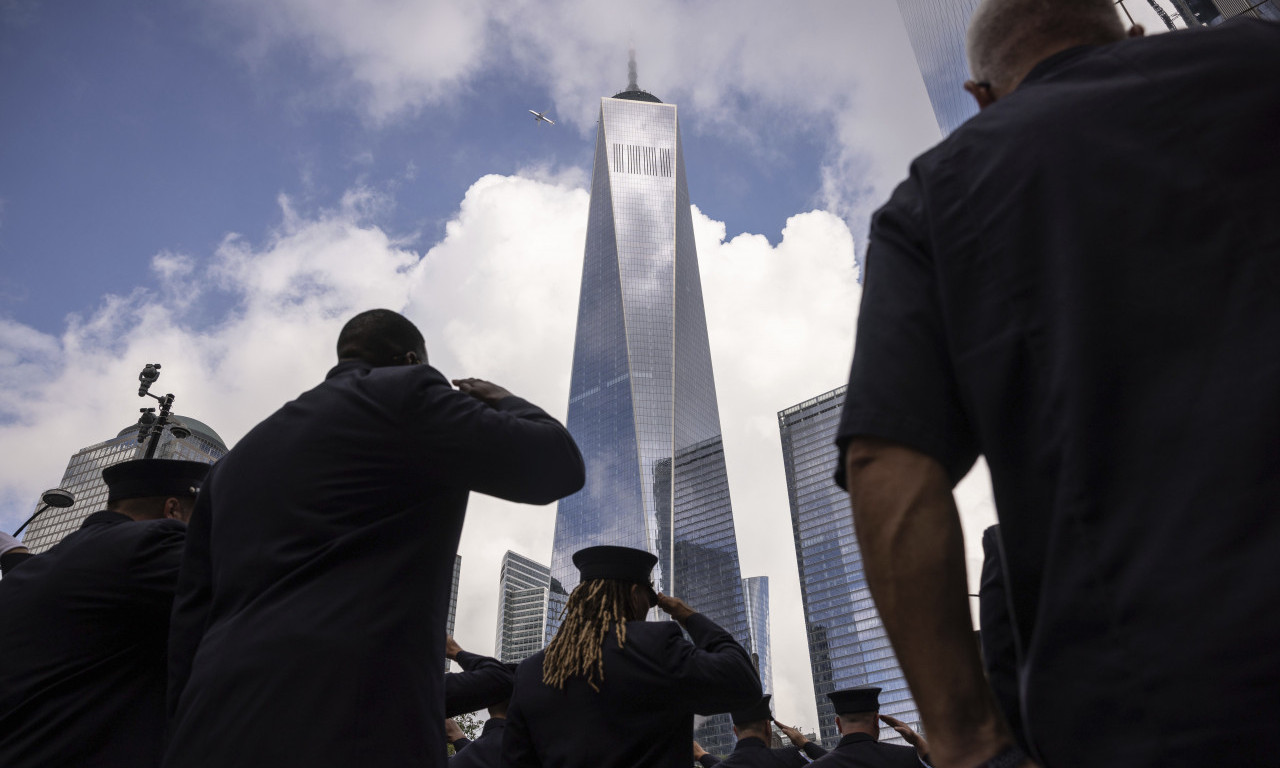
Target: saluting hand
x=484, y=391
x=452, y=731
x=451, y=647
x=797, y=738
x=910, y=736
x=679, y=609
x=698, y=751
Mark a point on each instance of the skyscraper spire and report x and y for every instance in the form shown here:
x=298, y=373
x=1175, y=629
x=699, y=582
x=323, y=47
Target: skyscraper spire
x=631, y=69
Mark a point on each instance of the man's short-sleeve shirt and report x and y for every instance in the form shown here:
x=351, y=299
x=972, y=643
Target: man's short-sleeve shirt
x=1082, y=284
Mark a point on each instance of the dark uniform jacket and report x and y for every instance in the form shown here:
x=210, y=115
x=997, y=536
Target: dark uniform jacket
x=485, y=751
x=861, y=750
x=309, y=627
x=82, y=648
x=10, y=560
x=643, y=712
x=754, y=753
x=483, y=681
x=1080, y=284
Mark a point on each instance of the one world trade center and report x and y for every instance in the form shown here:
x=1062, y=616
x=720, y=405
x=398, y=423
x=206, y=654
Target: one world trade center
x=642, y=398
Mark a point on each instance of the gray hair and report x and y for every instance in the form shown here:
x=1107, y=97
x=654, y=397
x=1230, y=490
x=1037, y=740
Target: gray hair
x=1005, y=35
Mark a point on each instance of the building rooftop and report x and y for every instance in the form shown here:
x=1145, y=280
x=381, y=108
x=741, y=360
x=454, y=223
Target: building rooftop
x=195, y=425
x=637, y=95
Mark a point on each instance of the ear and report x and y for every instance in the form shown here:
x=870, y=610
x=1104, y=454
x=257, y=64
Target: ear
x=981, y=93
x=1137, y=31
x=173, y=509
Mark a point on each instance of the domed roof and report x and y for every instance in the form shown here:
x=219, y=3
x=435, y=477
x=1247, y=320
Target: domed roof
x=195, y=425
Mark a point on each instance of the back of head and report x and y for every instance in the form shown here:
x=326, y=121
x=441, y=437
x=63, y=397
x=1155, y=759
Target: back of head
x=380, y=337
x=1008, y=37
x=859, y=722
x=595, y=607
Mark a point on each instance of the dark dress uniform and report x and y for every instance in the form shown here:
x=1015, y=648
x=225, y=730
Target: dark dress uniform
x=82, y=651
x=11, y=560
x=752, y=752
x=483, y=681
x=309, y=627
x=643, y=712
x=485, y=751
x=861, y=750
x=1080, y=284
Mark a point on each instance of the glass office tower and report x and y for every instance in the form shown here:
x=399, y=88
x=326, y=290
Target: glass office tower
x=848, y=645
x=756, y=592
x=642, y=403
x=522, y=607
x=83, y=476
x=937, y=31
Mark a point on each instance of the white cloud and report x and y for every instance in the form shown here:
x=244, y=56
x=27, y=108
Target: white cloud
x=496, y=298
x=758, y=71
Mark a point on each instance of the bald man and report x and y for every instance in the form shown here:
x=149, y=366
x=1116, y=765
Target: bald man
x=1080, y=284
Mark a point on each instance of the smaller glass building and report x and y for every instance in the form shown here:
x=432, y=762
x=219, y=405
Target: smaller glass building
x=848, y=645
x=522, y=607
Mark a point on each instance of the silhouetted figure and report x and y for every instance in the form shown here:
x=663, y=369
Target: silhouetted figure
x=612, y=690
x=83, y=627
x=753, y=728
x=858, y=723
x=310, y=622
x=1080, y=284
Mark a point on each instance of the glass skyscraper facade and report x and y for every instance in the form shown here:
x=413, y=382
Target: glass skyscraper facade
x=522, y=607
x=1177, y=14
x=848, y=645
x=756, y=594
x=83, y=476
x=642, y=402
x=937, y=31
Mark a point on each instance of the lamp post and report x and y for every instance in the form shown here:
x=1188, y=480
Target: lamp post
x=54, y=497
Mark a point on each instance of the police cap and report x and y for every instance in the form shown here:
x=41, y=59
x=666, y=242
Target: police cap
x=153, y=477
x=753, y=714
x=609, y=562
x=852, y=701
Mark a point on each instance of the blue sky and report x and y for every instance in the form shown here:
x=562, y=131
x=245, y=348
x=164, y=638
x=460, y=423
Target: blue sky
x=216, y=186
x=135, y=128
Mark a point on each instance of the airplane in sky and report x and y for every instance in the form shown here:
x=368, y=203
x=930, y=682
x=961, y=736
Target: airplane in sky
x=541, y=117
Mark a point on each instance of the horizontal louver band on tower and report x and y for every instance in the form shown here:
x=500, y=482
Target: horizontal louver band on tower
x=645, y=161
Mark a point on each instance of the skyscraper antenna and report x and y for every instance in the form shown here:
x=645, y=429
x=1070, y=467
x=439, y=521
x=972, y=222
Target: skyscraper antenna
x=631, y=69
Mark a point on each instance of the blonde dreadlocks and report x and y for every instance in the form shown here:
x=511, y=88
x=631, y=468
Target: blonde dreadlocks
x=578, y=648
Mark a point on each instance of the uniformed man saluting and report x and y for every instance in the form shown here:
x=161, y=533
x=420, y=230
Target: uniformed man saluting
x=82, y=654
x=752, y=727
x=613, y=690
x=858, y=721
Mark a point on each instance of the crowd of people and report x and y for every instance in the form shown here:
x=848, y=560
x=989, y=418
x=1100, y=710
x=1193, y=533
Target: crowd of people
x=1081, y=284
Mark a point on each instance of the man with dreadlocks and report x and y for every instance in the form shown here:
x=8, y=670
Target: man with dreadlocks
x=613, y=690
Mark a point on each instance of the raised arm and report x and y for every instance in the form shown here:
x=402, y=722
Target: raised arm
x=715, y=672
x=483, y=681
x=493, y=442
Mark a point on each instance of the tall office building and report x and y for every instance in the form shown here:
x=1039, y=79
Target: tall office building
x=84, y=475
x=937, y=31
x=522, y=607
x=756, y=594
x=642, y=403
x=848, y=645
